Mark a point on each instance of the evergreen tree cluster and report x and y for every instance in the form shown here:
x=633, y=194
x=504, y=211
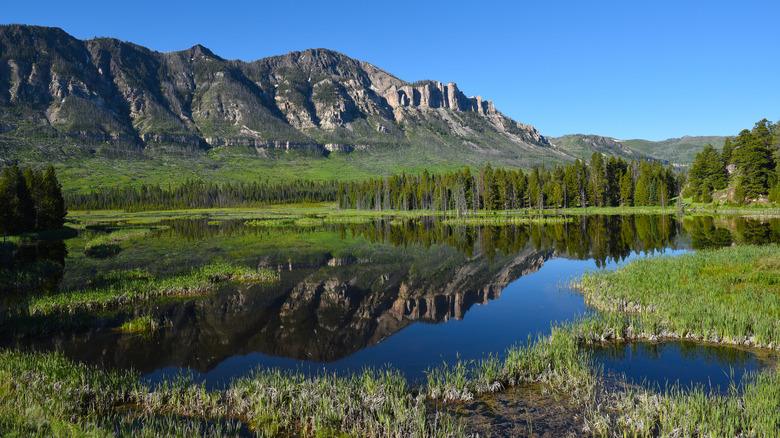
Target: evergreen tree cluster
x=708, y=173
x=602, y=182
x=30, y=201
x=197, y=194
x=755, y=155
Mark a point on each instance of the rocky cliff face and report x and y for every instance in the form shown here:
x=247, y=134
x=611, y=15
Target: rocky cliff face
x=108, y=91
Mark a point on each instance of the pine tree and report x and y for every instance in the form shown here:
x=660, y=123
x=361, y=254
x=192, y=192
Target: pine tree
x=626, y=190
x=640, y=192
x=598, y=180
x=727, y=150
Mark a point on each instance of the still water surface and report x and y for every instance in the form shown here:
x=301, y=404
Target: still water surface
x=404, y=293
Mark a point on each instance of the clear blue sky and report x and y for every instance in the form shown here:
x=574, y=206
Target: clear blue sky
x=624, y=69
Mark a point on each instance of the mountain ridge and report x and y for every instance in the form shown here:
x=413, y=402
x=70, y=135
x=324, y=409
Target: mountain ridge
x=107, y=111
x=678, y=151
x=106, y=90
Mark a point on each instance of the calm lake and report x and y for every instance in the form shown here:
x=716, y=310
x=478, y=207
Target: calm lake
x=408, y=293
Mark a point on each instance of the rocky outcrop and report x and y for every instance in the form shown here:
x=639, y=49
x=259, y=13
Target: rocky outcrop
x=103, y=137
x=433, y=94
x=260, y=144
x=192, y=142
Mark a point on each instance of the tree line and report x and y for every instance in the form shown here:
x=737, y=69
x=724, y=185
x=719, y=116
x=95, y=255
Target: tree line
x=750, y=165
x=30, y=201
x=601, y=182
x=199, y=194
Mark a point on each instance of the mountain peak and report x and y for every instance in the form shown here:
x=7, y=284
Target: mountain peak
x=108, y=92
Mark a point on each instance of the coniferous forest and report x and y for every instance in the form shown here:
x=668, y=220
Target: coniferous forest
x=198, y=194
x=601, y=182
x=30, y=201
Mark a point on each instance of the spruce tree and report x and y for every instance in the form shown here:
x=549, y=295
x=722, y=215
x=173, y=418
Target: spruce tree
x=626, y=190
x=726, y=152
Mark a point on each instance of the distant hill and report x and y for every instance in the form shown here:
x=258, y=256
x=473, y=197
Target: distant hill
x=583, y=146
x=679, y=151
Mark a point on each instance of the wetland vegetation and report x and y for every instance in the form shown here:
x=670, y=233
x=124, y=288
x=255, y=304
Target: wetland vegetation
x=319, y=299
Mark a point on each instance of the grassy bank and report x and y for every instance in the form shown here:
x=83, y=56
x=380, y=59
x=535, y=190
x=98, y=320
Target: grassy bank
x=727, y=296
x=730, y=295
x=47, y=395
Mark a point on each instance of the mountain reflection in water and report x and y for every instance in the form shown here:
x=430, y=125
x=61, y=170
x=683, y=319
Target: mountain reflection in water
x=350, y=294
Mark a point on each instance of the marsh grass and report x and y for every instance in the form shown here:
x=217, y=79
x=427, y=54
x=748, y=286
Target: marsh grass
x=750, y=408
x=555, y=360
x=47, y=395
x=729, y=295
x=129, y=287
x=371, y=403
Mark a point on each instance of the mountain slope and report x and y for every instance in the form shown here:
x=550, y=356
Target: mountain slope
x=112, y=111
x=583, y=146
x=678, y=151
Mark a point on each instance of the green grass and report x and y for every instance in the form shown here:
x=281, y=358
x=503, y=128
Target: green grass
x=46, y=395
x=554, y=360
x=730, y=295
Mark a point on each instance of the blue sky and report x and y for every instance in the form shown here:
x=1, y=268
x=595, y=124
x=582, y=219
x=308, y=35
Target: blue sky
x=624, y=69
